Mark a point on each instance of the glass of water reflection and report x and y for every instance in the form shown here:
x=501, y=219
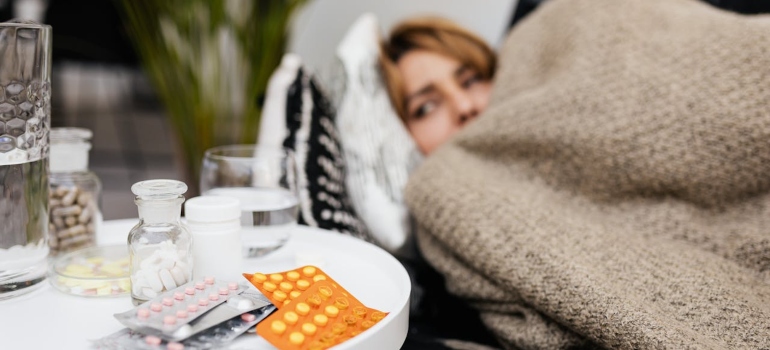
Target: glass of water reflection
x=263, y=179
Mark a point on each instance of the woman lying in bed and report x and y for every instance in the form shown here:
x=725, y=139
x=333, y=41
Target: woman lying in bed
x=614, y=193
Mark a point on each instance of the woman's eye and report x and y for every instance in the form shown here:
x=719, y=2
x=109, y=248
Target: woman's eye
x=468, y=82
x=424, y=109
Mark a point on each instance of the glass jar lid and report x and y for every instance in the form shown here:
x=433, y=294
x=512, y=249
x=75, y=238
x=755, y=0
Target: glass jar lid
x=159, y=189
x=70, y=135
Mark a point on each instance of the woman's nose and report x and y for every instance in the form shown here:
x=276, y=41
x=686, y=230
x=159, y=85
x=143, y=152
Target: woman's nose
x=464, y=108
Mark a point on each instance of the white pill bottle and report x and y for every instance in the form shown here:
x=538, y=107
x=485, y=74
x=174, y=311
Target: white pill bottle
x=160, y=246
x=215, y=224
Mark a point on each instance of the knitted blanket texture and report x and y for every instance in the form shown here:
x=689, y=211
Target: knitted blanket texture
x=616, y=191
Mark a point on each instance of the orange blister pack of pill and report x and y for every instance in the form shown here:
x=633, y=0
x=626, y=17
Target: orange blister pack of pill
x=324, y=315
x=282, y=287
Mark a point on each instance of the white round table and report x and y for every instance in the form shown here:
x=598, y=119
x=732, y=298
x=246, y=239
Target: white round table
x=49, y=319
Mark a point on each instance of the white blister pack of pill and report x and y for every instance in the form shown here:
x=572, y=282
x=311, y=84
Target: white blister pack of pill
x=169, y=314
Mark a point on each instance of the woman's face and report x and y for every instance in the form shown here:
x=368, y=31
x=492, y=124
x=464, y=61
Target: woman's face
x=442, y=96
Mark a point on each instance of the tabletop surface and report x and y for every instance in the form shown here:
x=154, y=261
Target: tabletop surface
x=49, y=319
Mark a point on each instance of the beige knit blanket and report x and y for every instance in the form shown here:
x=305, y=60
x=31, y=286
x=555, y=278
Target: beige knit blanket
x=616, y=192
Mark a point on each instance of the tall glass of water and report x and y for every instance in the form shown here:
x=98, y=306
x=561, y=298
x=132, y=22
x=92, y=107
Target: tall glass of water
x=263, y=179
x=25, y=116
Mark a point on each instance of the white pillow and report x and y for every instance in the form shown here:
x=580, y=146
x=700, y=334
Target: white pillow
x=378, y=149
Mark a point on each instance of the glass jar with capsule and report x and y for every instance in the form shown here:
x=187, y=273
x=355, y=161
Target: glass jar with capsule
x=160, y=246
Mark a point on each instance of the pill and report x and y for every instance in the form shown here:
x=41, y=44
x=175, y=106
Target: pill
x=142, y=313
x=278, y=327
x=199, y=285
x=167, y=279
x=276, y=277
x=181, y=314
x=152, y=340
x=339, y=328
x=192, y=308
x=175, y=346
x=223, y=291
x=292, y=275
x=286, y=286
x=359, y=311
x=213, y=297
x=178, y=296
x=269, y=286
x=377, y=316
x=366, y=324
x=279, y=295
x=178, y=275
x=296, y=338
x=248, y=317
x=203, y=302
x=317, y=278
x=258, y=278
x=341, y=303
x=331, y=311
x=309, y=328
x=168, y=319
x=189, y=291
x=325, y=292
x=232, y=286
x=350, y=320
x=295, y=294
x=308, y=271
x=302, y=308
x=320, y=320
x=303, y=284
x=291, y=317
x=156, y=307
x=148, y=292
x=154, y=281
x=168, y=301
x=209, y=280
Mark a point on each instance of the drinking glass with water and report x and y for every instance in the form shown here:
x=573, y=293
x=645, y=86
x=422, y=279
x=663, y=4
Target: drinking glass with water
x=263, y=179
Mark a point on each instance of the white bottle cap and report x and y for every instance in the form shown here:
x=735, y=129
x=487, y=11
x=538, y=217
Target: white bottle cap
x=69, y=149
x=210, y=209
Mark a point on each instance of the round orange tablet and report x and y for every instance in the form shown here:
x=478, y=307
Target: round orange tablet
x=376, y=316
x=309, y=271
x=292, y=275
x=276, y=277
x=296, y=338
x=291, y=317
x=320, y=320
x=295, y=294
x=269, y=286
x=258, y=278
x=309, y=328
x=341, y=303
x=303, y=284
x=302, y=308
x=359, y=311
x=278, y=327
x=286, y=286
x=325, y=292
x=317, y=278
x=350, y=320
x=331, y=311
x=279, y=295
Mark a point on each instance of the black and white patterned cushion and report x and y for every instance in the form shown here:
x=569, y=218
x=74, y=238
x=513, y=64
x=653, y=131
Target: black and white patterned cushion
x=312, y=134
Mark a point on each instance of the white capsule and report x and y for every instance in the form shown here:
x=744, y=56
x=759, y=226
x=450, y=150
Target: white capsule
x=178, y=275
x=149, y=293
x=153, y=280
x=167, y=279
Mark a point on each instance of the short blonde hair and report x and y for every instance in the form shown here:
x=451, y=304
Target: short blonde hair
x=437, y=35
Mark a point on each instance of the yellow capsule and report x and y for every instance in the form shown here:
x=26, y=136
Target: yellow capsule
x=292, y=275
x=269, y=286
x=309, y=271
x=296, y=338
x=367, y=324
x=359, y=311
x=325, y=292
x=320, y=320
x=309, y=328
x=331, y=311
x=279, y=295
x=302, y=308
x=377, y=316
x=278, y=327
x=286, y=286
x=291, y=317
x=303, y=284
x=258, y=278
x=339, y=328
x=295, y=294
x=276, y=277
x=317, y=278
x=350, y=320
x=341, y=303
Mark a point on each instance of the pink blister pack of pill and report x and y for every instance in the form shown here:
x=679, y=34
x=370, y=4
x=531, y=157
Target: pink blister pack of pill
x=167, y=314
